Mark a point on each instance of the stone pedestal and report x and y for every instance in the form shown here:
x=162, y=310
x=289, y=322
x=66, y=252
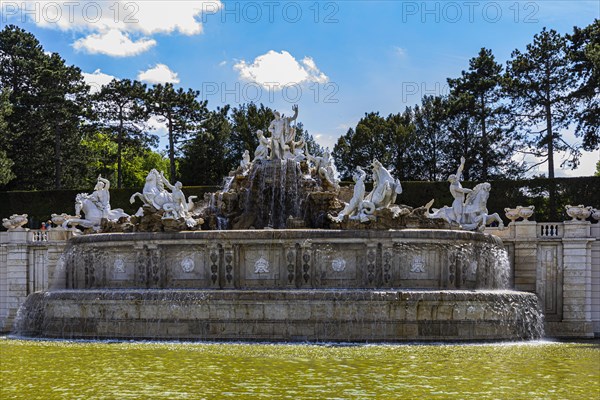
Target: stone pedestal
x=577, y=280
x=16, y=274
x=525, y=263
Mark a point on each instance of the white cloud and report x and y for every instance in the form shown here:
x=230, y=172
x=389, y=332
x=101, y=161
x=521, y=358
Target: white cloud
x=587, y=166
x=160, y=73
x=113, y=43
x=97, y=19
x=96, y=80
x=273, y=68
x=400, y=52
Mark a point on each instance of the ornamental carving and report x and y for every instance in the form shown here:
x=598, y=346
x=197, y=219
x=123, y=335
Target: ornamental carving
x=187, y=265
x=338, y=265
x=418, y=265
x=119, y=266
x=261, y=266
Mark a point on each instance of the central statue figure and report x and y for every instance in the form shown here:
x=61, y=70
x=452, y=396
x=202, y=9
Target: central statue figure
x=282, y=133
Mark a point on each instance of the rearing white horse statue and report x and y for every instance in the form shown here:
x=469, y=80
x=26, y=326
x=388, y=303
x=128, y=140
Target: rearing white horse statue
x=173, y=204
x=385, y=189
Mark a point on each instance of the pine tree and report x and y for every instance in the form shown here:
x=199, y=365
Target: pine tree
x=371, y=139
x=476, y=106
x=205, y=159
x=6, y=174
x=121, y=111
x=431, y=134
x=63, y=97
x=584, y=52
x=48, y=100
x=539, y=83
x=181, y=112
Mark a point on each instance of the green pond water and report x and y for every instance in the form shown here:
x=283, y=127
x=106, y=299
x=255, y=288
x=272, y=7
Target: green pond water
x=134, y=370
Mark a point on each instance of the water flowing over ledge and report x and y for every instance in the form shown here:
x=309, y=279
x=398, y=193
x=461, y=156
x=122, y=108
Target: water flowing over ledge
x=284, y=285
x=344, y=315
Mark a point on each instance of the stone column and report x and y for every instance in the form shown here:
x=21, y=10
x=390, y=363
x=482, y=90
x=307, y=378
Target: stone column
x=596, y=279
x=16, y=274
x=525, y=255
x=3, y=282
x=577, y=280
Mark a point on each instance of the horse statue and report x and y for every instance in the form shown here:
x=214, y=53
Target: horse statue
x=172, y=203
x=353, y=208
x=446, y=213
x=154, y=193
x=475, y=214
x=95, y=206
x=93, y=213
x=385, y=189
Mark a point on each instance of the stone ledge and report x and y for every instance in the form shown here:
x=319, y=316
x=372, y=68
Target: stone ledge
x=570, y=329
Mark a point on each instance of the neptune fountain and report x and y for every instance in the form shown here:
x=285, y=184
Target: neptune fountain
x=282, y=253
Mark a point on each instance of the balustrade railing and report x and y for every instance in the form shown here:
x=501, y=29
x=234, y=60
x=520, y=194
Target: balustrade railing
x=38, y=236
x=550, y=230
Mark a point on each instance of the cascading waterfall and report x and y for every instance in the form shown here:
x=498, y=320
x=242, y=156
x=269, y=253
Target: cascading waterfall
x=273, y=194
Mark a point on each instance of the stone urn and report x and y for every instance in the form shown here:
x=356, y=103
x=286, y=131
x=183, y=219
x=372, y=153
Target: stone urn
x=512, y=214
x=525, y=212
x=596, y=214
x=579, y=212
x=59, y=219
x=15, y=222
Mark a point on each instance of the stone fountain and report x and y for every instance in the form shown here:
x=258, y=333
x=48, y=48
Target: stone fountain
x=277, y=255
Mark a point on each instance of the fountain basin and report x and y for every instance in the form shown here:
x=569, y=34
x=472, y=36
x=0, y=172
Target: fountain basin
x=348, y=315
x=287, y=259
x=284, y=285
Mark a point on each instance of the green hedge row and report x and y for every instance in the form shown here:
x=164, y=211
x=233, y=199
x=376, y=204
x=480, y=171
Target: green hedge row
x=549, y=196
x=39, y=205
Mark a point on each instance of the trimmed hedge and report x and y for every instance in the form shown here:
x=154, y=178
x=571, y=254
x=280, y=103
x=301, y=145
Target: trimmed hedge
x=39, y=205
x=549, y=196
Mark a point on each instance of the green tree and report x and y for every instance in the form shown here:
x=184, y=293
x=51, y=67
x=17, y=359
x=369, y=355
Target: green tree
x=181, y=112
x=597, y=169
x=246, y=119
x=205, y=159
x=401, y=130
x=6, y=174
x=371, y=139
x=63, y=96
x=431, y=135
x=47, y=99
x=102, y=153
x=584, y=52
x=314, y=148
x=539, y=83
x=476, y=106
x=21, y=56
x=137, y=163
x=120, y=109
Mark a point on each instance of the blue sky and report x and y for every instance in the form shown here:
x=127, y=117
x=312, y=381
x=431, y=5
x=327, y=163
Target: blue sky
x=336, y=59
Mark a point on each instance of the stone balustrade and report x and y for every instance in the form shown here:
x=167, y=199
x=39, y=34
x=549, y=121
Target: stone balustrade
x=560, y=262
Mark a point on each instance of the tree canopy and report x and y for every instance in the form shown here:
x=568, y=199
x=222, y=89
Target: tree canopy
x=57, y=133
